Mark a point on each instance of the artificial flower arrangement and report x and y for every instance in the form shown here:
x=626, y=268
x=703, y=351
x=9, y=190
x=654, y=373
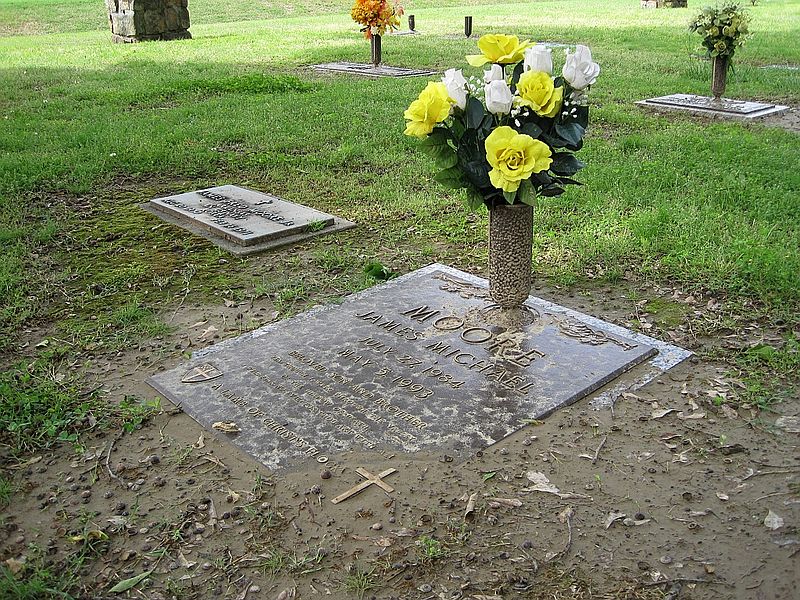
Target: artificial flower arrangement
x=509, y=136
x=376, y=16
x=723, y=29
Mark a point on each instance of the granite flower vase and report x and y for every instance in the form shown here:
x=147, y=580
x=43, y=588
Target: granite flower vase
x=510, y=249
x=719, y=75
x=375, y=46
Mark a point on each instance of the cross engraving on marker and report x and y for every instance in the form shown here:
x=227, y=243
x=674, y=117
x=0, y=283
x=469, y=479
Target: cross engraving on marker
x=370, y=479
x=200, y=373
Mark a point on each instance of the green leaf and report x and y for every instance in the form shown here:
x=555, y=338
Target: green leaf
x=527, y=193
x=127, y=584
x=572, y=133
x=474, y=199
x=551, y=190
x=451, y=178
x=517, y=74
x=509, y=196
x=488, y=476
x=437, y=137
x=447, y=158
x=474, y=113
x=531, y=129
x=565, y=164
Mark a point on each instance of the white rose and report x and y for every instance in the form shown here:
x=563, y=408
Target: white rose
x=579, y=70
x=539, y=58
x=498, y=97
x=493, y=74
x=456, y=86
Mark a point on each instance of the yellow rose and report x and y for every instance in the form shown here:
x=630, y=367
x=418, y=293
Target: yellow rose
x=499, y=49
x=536, y=91
x=514, y=157
x=432, y=107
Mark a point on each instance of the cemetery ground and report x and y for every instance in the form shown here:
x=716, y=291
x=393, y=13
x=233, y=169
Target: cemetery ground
x=687, y=230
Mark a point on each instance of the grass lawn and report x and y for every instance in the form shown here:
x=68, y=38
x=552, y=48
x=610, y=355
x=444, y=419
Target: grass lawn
x=90, y=129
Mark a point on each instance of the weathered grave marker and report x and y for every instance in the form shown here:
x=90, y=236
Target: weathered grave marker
x=244, y=221
x=424, y=362
x=366, y=70
x=703, y=105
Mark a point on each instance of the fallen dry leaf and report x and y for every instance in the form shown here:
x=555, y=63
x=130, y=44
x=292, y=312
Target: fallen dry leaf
x=512, y=502
x=14, y=565
x=542, y=484
x=662, y=412
x=208, y=332
x=612, y=517
x=788, y=424
x=685, y=417
x=226, y=427
x=773, y=521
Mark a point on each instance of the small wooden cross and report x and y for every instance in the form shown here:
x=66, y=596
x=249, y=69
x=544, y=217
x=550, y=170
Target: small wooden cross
x=370, y=479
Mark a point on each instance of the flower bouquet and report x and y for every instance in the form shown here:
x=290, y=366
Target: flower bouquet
x=724, y=30
x=509, y=136
x=376, y=16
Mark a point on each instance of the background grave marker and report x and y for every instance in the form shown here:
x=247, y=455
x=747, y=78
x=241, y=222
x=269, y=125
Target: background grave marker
x=704, y=105
x=244, y=221
x=370, y=70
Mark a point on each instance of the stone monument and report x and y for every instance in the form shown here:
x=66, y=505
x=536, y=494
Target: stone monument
x=423, y=363
x=142, y=20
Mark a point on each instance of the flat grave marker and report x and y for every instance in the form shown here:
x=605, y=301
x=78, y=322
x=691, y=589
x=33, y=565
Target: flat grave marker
x=243, y=221
x=370, y=70
x=704, y=105
x=425, y=362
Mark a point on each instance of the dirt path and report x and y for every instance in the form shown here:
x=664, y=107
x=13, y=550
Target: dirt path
x=668, y=494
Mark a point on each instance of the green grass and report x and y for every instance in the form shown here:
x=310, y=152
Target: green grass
x=38, y=580
x=39, y=409
x=92, y=129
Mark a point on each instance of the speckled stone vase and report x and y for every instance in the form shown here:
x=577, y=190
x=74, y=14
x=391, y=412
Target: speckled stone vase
x=510, y=241
x=719, y=75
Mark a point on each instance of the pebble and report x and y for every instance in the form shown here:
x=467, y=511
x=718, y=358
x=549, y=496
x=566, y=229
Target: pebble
x=425, y=588
x=377, y=526
x=199, y=528
x=202, y=507
x=665, y=560
x=73, y=487
x=143, y=530
x=108, y=494
x=86, y=494
x=325, y=474
x=255, y=589
x=315, y=489
x=69, y=479
x=392, y=519
x=503, y=451
x=206, y=566
x=527, y=544
x=120, y=506
x=20, y=539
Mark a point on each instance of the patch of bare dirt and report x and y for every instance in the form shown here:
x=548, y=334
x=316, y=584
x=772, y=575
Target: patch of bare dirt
x=664, y=495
